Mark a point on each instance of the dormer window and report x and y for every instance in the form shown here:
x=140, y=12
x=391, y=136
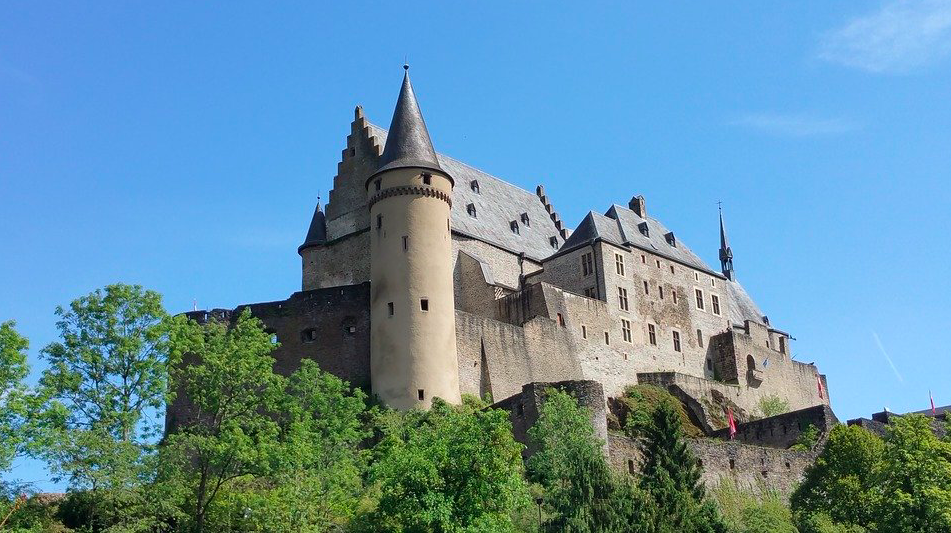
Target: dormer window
x=671, y=240
x=427, y=178
x=642, y=227
x=525, y=219
x=553, y=241
x=471, y=210
x=513, y=225
x=474, y=185
x=378, y=184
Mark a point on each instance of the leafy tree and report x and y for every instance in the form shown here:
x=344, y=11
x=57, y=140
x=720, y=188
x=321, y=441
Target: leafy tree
x=842, y=484
x=232, y=392
x=821, y=523
x=773, y=405
x=13, y=392
x=914, y=479
x=453, y=468
x=807, y=439
x=745, y=512
x=583, y=493
x=671, y=476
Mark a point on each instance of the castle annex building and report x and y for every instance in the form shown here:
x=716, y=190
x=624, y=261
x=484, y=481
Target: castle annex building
x=424, y=277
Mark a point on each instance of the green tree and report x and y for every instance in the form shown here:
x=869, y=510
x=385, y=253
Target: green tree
x=452, y=468
x=13, y=393
x=843, y=482
x=773, y=405
x=807, y=439
x=671, y=476
x=583, y=494
x=226, y=376
x=914, y=479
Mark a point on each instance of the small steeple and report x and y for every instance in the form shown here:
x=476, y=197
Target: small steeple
x=726, y=253
x=407, y=143
x=317, y=233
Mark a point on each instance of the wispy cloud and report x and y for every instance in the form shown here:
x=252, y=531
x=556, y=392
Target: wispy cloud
x=794, y=125
x=881, y=348
x=902, y=36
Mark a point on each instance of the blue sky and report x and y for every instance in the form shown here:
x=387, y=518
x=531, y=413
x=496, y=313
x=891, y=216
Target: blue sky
x=181, y=146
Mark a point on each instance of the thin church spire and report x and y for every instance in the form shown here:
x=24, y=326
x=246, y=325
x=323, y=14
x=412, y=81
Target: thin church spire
x=726, y=253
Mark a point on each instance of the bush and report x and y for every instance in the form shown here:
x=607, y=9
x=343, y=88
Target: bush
x=639, y=403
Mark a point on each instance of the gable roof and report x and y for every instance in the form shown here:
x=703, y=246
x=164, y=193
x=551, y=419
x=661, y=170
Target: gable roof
x=497, y=204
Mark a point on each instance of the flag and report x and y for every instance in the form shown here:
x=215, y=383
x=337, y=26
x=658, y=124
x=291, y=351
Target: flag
x=819, y=383
x=930, y=397
x=729, y=415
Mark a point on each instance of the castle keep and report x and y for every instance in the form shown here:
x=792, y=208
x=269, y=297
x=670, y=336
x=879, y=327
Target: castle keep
x=424, y=277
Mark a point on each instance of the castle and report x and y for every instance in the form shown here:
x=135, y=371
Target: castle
x=425, y=277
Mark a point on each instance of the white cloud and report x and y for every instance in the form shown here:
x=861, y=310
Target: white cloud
x=902, y=36
x=794, y=125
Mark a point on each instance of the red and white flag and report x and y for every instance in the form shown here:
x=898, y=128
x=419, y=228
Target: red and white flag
x=819, y=383
x=729, y=415
x=930, y=397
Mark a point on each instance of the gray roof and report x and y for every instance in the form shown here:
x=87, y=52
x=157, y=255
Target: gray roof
x=410, y=145
x=317, y=232
x=497, y=204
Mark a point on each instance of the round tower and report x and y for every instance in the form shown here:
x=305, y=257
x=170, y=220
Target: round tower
x=412, y=313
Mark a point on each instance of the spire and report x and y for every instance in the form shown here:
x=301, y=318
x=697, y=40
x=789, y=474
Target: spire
x=317, y=233
x=726, y=253
x=407, y=143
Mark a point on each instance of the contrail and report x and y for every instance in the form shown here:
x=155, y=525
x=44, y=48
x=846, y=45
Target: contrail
x=887, y=358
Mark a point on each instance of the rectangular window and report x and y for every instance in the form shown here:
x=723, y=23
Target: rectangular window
x=671, y=269
x=427, y=179
x=699, y=338
x=622, y=298
x=561, y=320
x=652, y=334
x=591, y=292
x=647, y=289
x=713, y=282
x=626, y=330
x=587, y=264
x=674, y=295
x=405, y=243
x=421, y=394
x=379, y=221
x=710, y=365
x=658, y=263
x=715, y=303
x=584, y=332
x=389, y=308
x=619, y=264
x=699, y=299
x=660, y=291
x=607, y=338
x=643, y=259
x=424, y=304
x=676, y=341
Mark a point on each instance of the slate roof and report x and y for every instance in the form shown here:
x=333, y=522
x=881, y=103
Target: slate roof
x=497, y=204
x=410, y=145
x=317, y=232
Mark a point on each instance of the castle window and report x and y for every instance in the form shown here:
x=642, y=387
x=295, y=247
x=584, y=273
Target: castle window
x=553, y=241
x=673, y=294
x=584, y=332
x=642, y=227
x=710, y=364
x=626, y=330
x=652, y=334
x=421, y=394
x=622, y=298
x=660, y=291
x=643, y=259
x=647, y=289
x=353, y=152
x=782, y=345
x=379, y=221
x=351, y=330
x=474, y=185
x=696, y=276
x=713, y=282
x=676, y=341
x=561, y=320
x=513, y=225
x=405, y=243
x=587, y=264
x=591, y=292
x=699, y=299
x=424, y=304
x=671, y=269
x=607, y=338
x=732, y=464
x=630, y=467
x=389, y=308
x=658, y=263
x=427, y=178
x=378, y=184
x=471, y=210
x=525, y=219
x=308, y=335
x=715, y=303
x=699, y=338
x=619, y=264
x=671, y=240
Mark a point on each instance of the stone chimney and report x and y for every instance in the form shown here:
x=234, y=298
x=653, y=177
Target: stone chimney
x=637, y=205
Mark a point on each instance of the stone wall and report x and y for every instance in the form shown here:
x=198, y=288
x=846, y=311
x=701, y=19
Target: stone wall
x=781, y=431
x=345, y=261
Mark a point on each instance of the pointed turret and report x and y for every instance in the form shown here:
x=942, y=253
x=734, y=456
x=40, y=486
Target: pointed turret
x=317, y=233
x=407, y=142
x=726, y=253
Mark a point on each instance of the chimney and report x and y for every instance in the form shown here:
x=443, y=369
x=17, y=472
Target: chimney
x=637, y=205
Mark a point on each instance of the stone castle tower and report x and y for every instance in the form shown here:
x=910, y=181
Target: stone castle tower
x=412, y=313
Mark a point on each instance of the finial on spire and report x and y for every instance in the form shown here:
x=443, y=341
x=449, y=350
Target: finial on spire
x=405, y=63
x=726, y=253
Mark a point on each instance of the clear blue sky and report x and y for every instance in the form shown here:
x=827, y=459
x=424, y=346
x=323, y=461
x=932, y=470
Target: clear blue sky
x=182, y=146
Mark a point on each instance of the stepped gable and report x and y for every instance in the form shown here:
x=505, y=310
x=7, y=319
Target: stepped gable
x=497, y=205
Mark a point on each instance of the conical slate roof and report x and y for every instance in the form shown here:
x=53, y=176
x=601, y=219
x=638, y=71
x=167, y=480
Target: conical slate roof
x=317, y=233
x=408, y=144
x=725, y=251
